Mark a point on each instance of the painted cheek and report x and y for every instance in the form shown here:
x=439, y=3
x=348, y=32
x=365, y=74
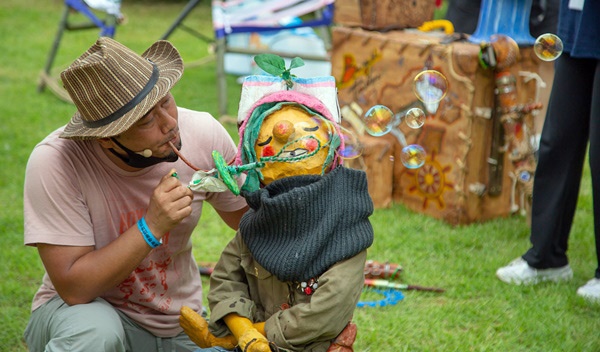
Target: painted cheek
x=311, y=144
x=268, y=151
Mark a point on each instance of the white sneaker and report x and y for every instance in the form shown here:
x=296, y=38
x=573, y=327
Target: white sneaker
x=591, y=290
x=519, y=272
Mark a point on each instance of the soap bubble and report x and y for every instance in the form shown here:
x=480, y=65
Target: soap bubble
x=378, y=120
x=413, y=156
x=430, y=86
x=414, y=118
x=548, y=47
x=352, y=147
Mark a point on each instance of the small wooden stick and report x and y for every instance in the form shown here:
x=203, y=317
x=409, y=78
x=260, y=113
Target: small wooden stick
x=182, y=158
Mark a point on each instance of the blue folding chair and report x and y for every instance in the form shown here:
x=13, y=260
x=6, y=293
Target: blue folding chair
x=107, y=28
x=254, y=16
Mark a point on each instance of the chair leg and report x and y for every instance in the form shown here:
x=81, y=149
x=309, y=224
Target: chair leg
x=324, y=32
x=107, y=26
x=53, y=50
x=186, y=11
x=221, y=77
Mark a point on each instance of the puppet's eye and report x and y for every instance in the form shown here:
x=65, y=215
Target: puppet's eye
x=261, y=144
x=311, y=129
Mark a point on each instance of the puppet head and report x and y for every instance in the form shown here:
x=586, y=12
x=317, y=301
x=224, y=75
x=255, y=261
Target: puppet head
x=288, y=125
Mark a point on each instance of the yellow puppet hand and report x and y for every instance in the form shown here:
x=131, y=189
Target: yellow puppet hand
x=250, y=339
x=197, y=329
x=254, y=341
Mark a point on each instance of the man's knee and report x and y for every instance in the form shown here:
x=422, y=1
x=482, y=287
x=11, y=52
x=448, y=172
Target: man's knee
x=95, y=326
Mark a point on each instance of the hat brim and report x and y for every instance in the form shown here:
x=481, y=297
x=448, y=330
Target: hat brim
x=170, y=67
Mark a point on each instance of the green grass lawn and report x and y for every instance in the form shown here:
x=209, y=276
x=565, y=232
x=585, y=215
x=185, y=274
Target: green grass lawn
x=476, y=312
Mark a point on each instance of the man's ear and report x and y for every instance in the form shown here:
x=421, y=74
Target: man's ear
x=106, y=143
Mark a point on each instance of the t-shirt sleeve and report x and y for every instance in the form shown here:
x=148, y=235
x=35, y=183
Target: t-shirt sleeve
x=54, y=208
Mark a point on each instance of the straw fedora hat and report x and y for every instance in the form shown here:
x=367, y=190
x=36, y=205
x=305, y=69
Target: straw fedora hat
x=113, y=87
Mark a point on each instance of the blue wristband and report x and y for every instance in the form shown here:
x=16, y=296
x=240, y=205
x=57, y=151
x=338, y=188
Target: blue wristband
x=147, y=234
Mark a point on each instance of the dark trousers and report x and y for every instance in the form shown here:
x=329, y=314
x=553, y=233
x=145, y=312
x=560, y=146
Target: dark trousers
x=572, y=120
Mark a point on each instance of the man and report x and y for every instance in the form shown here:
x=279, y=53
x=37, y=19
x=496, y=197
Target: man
x=105, y=207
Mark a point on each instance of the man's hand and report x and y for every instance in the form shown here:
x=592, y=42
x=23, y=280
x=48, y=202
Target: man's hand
x=169, y=205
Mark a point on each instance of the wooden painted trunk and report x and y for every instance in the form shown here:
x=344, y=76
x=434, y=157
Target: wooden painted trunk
x=480, y=156
x=383, y=14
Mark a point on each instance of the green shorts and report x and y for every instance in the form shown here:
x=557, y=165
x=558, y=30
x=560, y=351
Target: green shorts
x=95, y=326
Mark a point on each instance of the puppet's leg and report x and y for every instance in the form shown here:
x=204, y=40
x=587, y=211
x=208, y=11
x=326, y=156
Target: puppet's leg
x=251, y=338
x=197, y=329
x=344, y=341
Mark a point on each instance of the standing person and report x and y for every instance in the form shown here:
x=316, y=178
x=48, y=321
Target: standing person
x=109, y=217
x=573, y=120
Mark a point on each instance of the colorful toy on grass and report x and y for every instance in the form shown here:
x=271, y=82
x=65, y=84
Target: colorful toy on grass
x=293, y=274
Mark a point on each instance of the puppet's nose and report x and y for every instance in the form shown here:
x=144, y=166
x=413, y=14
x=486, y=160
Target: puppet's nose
x=282, y=130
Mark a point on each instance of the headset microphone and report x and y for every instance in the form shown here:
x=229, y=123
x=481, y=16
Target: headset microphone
x=146, y=153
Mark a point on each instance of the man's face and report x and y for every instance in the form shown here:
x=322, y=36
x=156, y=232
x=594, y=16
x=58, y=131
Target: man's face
x=284, y=134
x=154, y=130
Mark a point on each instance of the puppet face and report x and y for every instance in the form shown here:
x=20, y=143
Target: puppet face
x=289, y=134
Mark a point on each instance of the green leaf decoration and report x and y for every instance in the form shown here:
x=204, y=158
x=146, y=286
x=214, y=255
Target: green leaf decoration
x=296, y=62
x=275, y=65
x=270, y=63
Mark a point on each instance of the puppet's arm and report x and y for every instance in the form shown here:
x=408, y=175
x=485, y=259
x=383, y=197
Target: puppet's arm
x=196, y=328
x=330, y=309
x=249, y=337
x=228, y=289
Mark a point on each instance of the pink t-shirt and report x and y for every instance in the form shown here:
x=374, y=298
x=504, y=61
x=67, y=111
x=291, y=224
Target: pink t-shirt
x=75, y=195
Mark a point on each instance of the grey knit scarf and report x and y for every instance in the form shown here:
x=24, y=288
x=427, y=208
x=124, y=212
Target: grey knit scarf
x=297, y=227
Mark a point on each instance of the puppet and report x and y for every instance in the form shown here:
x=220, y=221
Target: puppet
x=291, y=277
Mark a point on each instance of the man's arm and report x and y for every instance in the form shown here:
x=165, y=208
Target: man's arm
x=232, y=218
x=81, y=273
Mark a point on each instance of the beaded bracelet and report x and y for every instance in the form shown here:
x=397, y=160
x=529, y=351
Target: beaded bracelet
x=147, y=234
